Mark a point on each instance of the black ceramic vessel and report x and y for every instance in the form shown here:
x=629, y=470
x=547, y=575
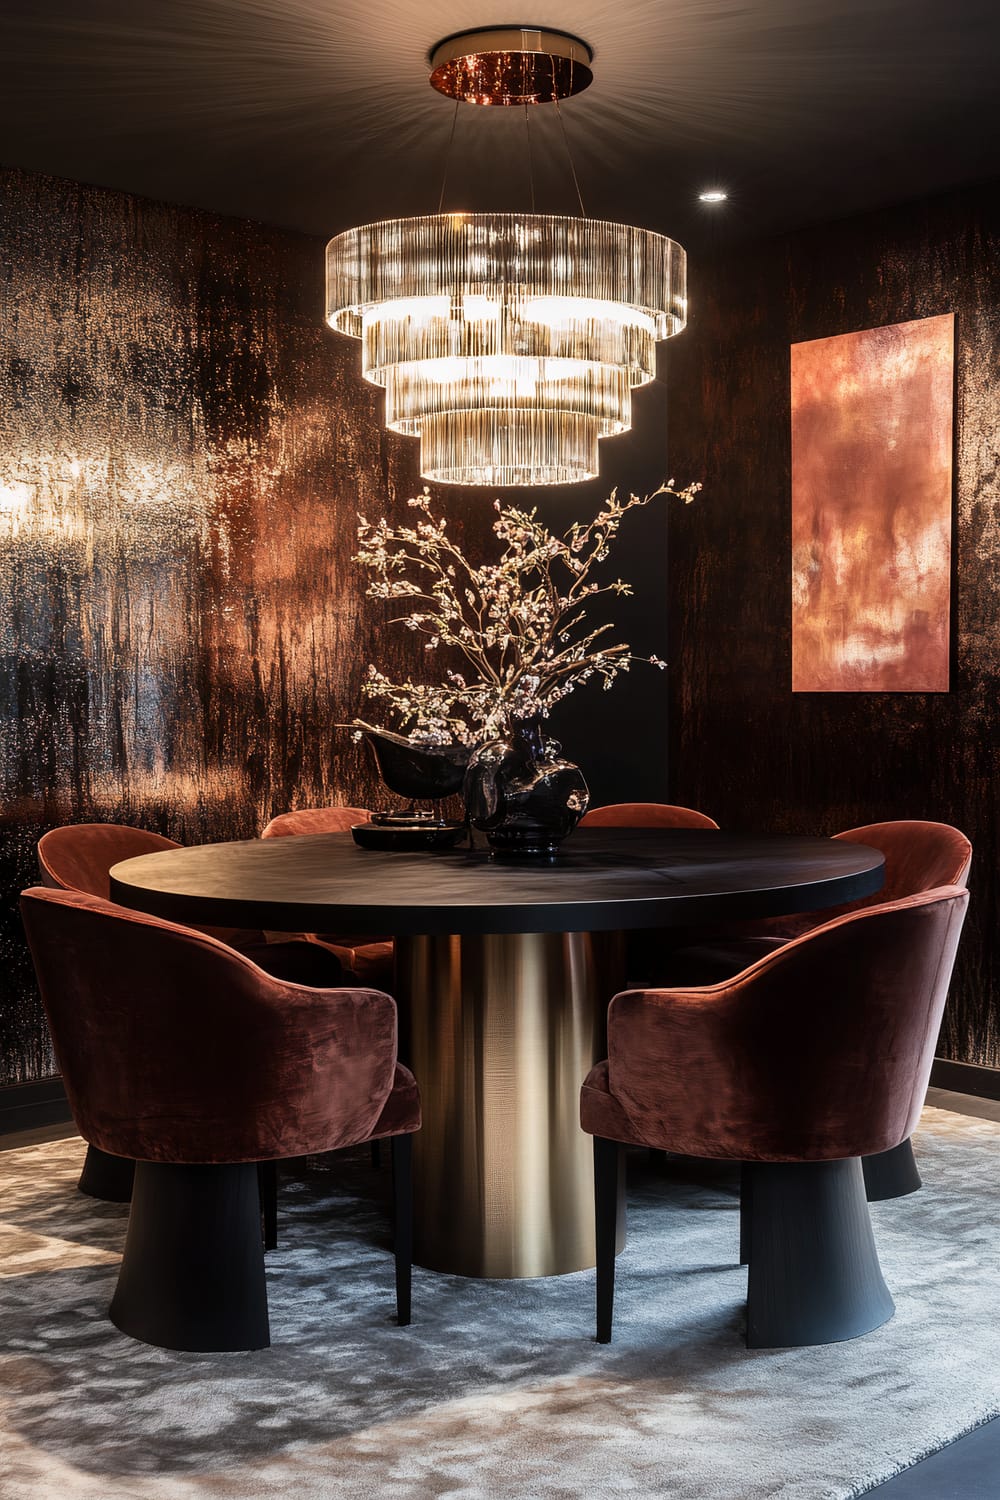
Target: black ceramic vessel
x=424, y=773
x=522, y=794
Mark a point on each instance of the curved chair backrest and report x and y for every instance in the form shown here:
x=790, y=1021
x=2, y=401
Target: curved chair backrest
x=315, y=820
x=79, y=856
x=919, y=857
x=820, y=1051
x=175, y=1048
x=645, y=815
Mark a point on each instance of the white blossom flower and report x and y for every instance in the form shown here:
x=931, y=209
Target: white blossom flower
x=515, y=623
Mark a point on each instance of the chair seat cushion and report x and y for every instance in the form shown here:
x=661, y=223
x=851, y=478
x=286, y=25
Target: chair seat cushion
x=401, y=1112
x=370, y=965
x=601, y=1113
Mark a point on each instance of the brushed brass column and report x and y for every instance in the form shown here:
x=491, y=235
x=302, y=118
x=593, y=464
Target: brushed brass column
x=501, y=1032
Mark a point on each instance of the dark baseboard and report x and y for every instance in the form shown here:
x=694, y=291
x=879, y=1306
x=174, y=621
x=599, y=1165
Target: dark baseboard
x=30, y=1106
x=966, y=1078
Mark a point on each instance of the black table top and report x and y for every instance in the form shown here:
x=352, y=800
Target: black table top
x=603, y=880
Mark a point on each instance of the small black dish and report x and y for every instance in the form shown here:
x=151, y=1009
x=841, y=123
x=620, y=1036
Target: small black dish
x=408, y=837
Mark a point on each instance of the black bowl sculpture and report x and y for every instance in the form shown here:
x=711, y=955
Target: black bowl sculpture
x=420, y=772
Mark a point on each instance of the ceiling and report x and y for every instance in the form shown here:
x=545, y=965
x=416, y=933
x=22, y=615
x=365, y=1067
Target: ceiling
x=317, y=114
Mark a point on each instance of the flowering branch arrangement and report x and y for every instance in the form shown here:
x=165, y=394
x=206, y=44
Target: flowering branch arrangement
x=517, y=630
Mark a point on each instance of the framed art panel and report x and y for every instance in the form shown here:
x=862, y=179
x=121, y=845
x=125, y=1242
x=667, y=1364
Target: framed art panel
x=872, y=416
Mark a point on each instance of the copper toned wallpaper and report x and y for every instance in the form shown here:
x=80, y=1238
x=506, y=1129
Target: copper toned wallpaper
x=744, y=747
x=871, y=509
x=184, y=448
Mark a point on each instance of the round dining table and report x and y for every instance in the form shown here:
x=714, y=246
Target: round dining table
x=503, y=975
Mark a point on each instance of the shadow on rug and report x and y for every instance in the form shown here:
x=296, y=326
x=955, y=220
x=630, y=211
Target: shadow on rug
x=497, y=1389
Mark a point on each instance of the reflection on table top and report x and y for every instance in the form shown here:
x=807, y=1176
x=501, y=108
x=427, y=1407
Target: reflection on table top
x=604, y=879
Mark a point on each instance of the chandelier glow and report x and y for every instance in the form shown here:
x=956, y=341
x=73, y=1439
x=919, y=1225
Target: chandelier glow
x=508, y=343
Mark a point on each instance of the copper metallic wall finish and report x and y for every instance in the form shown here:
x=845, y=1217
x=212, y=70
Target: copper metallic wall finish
x=183, y=450
x=743, y=746
x=184, y=447
x=871, y=509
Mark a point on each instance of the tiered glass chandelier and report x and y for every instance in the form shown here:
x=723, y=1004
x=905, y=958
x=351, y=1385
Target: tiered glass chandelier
x=508, y=343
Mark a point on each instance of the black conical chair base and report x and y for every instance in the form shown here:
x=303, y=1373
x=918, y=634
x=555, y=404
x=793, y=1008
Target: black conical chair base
x=891, y=1174
x=814, y=1271
x=105, y=1176
x=192, y=1274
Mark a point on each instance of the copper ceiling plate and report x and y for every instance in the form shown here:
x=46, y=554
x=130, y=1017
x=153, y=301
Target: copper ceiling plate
x=511, y=65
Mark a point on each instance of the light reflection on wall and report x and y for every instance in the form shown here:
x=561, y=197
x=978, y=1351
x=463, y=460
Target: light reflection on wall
x=183, y=452
x=184, y=449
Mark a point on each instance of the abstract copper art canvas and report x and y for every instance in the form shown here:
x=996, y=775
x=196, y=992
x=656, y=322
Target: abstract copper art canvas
x=871, y=509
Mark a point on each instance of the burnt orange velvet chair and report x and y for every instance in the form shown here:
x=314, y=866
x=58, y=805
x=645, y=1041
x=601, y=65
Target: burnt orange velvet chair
x=367, y=960
x=814, y=1057
x=79, y=857
x=645, y=815
x=919, y=856
x=183, y=1054
x=645, y=950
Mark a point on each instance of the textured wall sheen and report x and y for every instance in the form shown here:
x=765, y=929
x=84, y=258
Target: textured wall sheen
x=743, y=746
x=183, y=450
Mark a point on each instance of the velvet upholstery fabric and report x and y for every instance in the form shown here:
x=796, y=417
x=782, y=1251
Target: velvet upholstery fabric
x=645, y=815
x=315, y=820
x=79, y=857
x=367, y=960
x=821, y=1050
x=919, y=856
x=175, y=1048
x=401, y=1111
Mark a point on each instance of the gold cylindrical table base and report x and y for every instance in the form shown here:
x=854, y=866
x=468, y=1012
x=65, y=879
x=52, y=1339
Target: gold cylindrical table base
x=500, y=1031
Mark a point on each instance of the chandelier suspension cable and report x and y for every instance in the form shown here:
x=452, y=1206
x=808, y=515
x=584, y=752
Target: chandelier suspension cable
x=447, y=156
x=569, y=157
x=531, y=173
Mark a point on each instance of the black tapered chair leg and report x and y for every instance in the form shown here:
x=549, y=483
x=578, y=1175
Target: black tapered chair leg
x=814, y=1276
x=376, y=1154
x=607, y=1172
x=192, y=1273
x=746, y=1211
x=891, y=1174
x=267, y=1181
x=106, y=1176
x=402, y=1228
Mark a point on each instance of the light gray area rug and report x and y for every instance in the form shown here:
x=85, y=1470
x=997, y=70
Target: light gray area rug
x=497, y=1389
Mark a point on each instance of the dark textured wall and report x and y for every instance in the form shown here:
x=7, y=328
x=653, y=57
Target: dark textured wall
x=744, y=747
x=184, y=447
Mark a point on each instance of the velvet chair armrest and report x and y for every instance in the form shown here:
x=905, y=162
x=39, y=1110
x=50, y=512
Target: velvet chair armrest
x=195, y=1053
x=819, y=1051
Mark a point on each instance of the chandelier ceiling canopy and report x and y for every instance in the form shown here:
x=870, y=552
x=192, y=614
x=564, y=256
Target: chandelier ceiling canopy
x=508, y=343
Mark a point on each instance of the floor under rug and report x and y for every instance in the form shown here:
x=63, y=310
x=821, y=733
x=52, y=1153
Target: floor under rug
x=497, y=1389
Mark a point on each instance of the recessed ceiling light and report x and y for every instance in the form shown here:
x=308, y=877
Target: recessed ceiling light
x=713, y=195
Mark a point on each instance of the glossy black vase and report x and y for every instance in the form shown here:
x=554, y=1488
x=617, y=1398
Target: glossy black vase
x=420, y=772
x=523, y=795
